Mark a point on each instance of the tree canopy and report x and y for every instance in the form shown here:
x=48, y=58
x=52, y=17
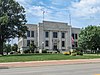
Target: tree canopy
x=32, y=47
x=89, y=37
x=15, y=47
x=12, y=21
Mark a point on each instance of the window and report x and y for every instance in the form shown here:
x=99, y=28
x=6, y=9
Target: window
x=63, y=43
x=32, y=41
x=46, y=43
x=55, y=35
x=46, y=34
x=75, y=36
x=28, y=33
x=63, y=49
x=32, y=33
x=75, y=45
x=63, y=35
x=28, y=42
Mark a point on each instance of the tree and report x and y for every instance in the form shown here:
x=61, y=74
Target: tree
x=12, y=21
x=15, y=47
x=89, y=38
x=32, y=47
x=7, y=48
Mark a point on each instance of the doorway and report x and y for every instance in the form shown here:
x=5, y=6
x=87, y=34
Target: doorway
x=55, y=47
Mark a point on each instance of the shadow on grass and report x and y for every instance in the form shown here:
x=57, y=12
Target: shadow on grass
x=35, y=54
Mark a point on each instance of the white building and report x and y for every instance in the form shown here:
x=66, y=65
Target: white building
x=50, y=35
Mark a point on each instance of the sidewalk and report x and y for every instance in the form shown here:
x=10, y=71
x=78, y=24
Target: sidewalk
x=45, y=63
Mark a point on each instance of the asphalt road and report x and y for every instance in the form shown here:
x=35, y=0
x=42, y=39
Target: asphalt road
x=76, y=69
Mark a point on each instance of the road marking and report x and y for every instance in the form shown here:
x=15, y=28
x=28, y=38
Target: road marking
x=97, y=74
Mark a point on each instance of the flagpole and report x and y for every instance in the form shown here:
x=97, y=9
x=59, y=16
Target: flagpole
x=70, y=21
x=43, y=12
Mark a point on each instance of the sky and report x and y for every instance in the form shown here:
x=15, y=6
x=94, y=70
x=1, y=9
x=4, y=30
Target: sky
x=81, y=13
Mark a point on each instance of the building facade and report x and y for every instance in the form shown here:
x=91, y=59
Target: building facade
x=51, y=36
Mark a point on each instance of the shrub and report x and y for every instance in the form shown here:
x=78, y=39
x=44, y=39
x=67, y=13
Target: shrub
x=66, y=53
x=74, y=54
x=44, y=51
x=12, y=52
x=36, y=51
x=26, y=51
x=79, y=53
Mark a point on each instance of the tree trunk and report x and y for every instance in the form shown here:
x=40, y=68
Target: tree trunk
x=1, y=47
x=7, y=51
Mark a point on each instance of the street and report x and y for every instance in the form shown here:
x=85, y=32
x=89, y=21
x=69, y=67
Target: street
x=75, y=69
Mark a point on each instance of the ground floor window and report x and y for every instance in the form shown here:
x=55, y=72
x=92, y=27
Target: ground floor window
x=46, y=43
x=74, y=45
x=32, y=41
x=28, y=42
x=63, y=43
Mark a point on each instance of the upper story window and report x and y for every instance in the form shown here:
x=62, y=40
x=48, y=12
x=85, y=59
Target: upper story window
x=28, y=33
x=55, y=35
x=46, y=34
x=32, y=33
x=74, y=36
x=63, y=35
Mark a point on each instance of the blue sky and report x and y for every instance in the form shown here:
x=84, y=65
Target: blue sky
x=83, y=12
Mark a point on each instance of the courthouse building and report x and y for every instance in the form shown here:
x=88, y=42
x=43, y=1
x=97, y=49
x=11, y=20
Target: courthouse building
x=51, y=36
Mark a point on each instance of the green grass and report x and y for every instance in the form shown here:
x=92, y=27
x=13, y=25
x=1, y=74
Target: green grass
x=42, y=57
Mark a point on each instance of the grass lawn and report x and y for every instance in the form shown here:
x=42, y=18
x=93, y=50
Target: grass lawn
x=42, y=57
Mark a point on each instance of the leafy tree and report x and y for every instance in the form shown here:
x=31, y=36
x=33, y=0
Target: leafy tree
x=15, y=47
x=89, y=38
x=32, y=47
x=12, y=21
x=7, y=48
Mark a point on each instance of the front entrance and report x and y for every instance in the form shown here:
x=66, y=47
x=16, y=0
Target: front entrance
x=55, y=47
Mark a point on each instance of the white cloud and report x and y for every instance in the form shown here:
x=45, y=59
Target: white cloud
x=60, y=2
x=85, y=8
x=25, y=3
x=38, y=11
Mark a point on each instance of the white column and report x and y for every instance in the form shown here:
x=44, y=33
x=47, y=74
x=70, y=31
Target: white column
x=38, y=36
x=70, y=37
x=66, y=40
x=50, y=40
x=59, y=38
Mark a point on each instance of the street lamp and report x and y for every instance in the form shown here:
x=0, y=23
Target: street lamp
x=42, y=45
